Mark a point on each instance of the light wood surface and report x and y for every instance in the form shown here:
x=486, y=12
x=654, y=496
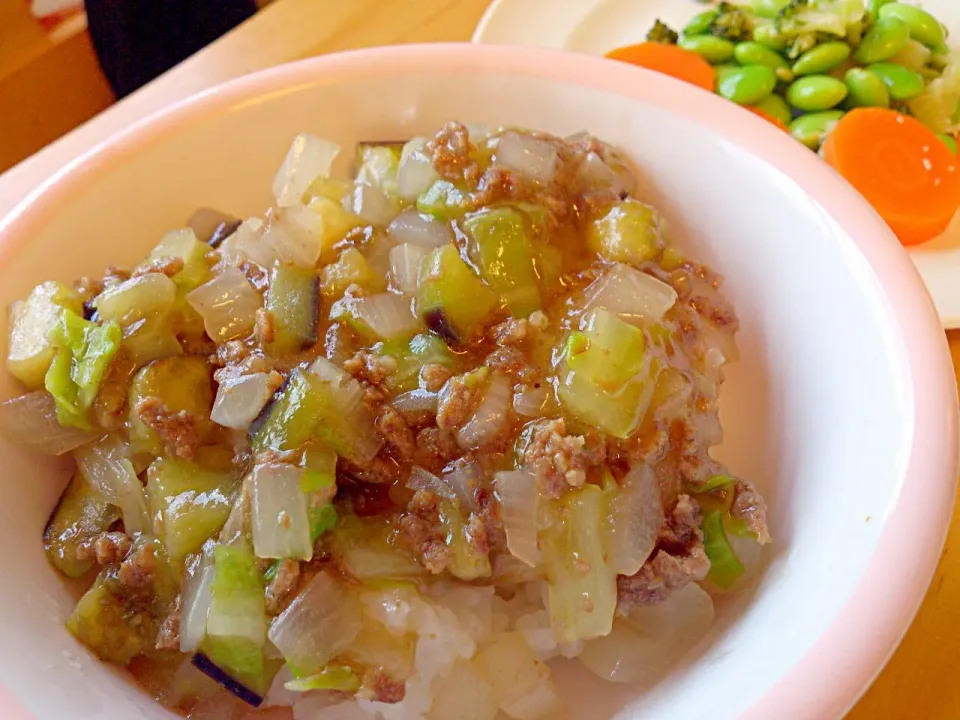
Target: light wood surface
x=919, y=681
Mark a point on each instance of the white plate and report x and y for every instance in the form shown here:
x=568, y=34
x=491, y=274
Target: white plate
x=597, y=26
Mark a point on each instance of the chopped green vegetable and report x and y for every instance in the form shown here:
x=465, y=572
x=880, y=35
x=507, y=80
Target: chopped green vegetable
x=423, y=349
x=377, y=165
x=662, y=33
x=332, y=677
x=183, y=244
x=732, y=22
x=467, y=562
x=725, y=566
x=629, y=232
x=716, y=482
x=322, y=520
x=351, y=268
x=500, y=247
x=452, y=300
x=237, y=623
x=443, y=200
x=84, y=352
x=81, y=515
x=293, y=302
x=30, y=349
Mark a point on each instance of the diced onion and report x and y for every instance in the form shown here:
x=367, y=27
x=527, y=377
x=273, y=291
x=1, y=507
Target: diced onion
x=295, y=239
x=416, y=401
x=519, y=499
x=412, y=227
x=405, y=262
x=636, y=515
x=197, y=596
x=421, y=479
x=465, y=478
x=137, y=298
x=522, y=684
x=240, y=400
x=529, y=156
x=31, y=421
x=416, y=172
x=490, y=416
x=108, y=469
x=387, y=315
x=281, y=528
x=319, y=623
x=308, y=158
x=371, y=203
x=530, y=402
x=228, y=305
x=630, y=293
x=247, y=244
x=595, y=174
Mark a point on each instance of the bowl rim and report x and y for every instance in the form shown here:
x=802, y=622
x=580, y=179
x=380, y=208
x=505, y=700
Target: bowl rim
x=849, y=654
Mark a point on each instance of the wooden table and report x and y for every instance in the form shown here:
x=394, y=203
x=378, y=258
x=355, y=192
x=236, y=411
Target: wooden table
x=920, y=680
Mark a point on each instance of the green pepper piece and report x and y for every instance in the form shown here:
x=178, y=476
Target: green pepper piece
x=725, y=566
x=293, y=302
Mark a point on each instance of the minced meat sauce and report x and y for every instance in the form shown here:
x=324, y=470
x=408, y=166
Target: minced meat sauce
x=481, y=362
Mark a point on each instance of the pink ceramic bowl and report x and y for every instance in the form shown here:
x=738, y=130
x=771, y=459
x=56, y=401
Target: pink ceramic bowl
x=842, y=406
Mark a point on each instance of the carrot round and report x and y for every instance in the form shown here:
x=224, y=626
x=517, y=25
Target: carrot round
x=669, y=60
x=901, y=167
x=768, y=117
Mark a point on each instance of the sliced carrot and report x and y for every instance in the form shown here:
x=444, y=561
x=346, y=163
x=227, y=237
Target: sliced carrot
x=768, y=117
x=901, y=167
x=669, y=60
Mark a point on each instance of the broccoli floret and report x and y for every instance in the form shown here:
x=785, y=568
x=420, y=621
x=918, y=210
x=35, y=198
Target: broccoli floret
x=662, y=33
x=732, y=23
x=805, y=23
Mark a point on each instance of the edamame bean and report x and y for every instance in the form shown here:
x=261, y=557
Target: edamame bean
x=949, y=141
x=873, y=6
x=768, y=8
x=821, y=59
x=886, y=38
x=813, y=129
x=924, y=27
x=722, y=70
x=864, y=89
x=903, y=84
x=712, y=49
x=753, y=53
x=767, y=35
x=816, y=92
x=700, y=24
x=776, y=107
x=747, y=85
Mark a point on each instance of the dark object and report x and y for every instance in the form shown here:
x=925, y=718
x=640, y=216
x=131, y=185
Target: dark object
x=212, y=226
x=137, y=40
x=663, y=33
x=223, y=231
x=437, y=322
x=267, y=410
x=208, y=667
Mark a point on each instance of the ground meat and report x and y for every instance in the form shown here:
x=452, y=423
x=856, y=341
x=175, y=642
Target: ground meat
x=750, y=507
x=396, y=432
x=719, y=314
x=477, y=534
x=283, y=587
x=422, y=531
x=264, y=327
x=435, y=448
x=386, y=689
x=370, y=367
x=107, y=548
x=137, y=570
x=682, y=528
x=168, y=266
x=434, y=376
x=511, y=332
x=177, y=430
x=231, y=353
x=168, y=637
x=114, y=275
x=88, y=288
x=379, y=471
x=458, y=399
x=258, y=277
x=450, y=152
x=199, y=345
x=513, y=362
x=660, y=576
x=559, y=459
x=111, y=400
x=647, y=447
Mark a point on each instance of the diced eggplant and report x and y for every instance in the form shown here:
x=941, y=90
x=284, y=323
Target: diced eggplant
x=423, y=349
x=81, y=515
x=193, y=502
x=182, y=383
x=30, y=350
x=150, y=339
x=250, y=689
x=443, y=200
x=451, y=299
x=351, y=268
x=212, y=226
x=184, y=244
x=293, y=301
x=377, y=165
x=629, y=232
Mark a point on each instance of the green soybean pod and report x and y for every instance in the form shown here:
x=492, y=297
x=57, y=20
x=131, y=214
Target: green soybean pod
x=886, y=38
x=776, y=107
x=873, y=6
x=821, y=59
x=712, y=49
x=813, y=129
x=747, y=85
x=902, y=83
x=949, y=141
x=753, y=53
x=767, y=35
x=814, y=93
x=924, y=27
x=864, y=89
x=768, y=8
x=700, y=24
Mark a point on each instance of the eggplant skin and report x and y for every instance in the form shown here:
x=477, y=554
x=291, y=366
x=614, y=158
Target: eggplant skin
x=209, y=668
x=222, y=232
x=260, y=419
x=312, y=335
x=437, y=321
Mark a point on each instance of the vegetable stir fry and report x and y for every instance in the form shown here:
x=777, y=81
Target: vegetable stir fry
x=398, y=442
x=805, y=65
